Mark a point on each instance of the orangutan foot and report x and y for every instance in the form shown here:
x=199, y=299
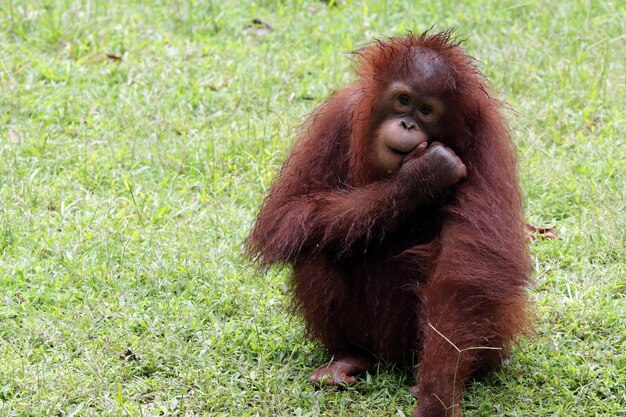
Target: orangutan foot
x=342, y=370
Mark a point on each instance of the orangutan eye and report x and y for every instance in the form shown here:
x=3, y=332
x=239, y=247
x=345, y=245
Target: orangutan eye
x=426, y=110
x=404, y=100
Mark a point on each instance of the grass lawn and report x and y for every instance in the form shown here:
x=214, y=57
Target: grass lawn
x=137, y=139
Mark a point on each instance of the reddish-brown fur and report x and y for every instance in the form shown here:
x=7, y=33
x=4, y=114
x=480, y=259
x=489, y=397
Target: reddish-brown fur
x=374, y=273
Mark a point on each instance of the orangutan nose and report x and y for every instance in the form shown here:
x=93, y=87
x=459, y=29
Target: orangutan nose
x=408, y=124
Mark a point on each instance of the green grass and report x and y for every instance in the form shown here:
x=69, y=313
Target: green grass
x=127, y=187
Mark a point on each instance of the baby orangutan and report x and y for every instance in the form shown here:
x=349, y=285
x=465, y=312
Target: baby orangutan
x=399, y=211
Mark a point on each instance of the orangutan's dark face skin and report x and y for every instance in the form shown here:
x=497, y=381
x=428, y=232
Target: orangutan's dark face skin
x=412, y=111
